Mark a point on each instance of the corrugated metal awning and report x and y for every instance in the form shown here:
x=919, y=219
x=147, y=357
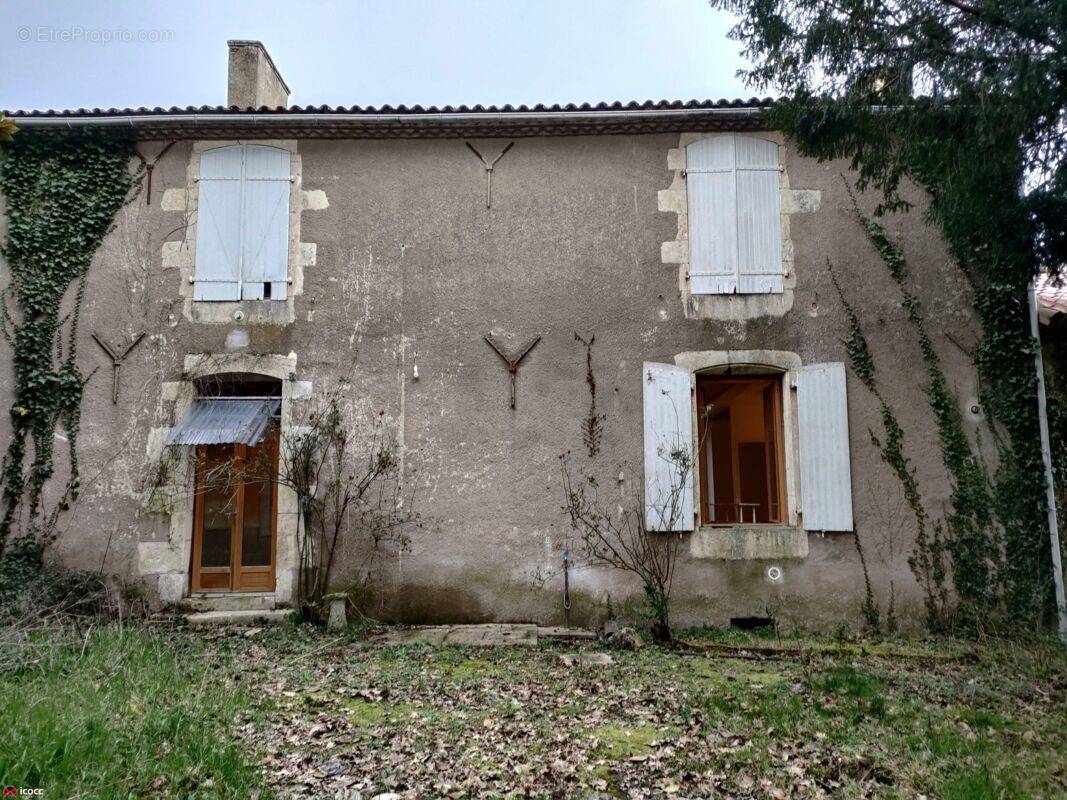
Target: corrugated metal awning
x=225, y=421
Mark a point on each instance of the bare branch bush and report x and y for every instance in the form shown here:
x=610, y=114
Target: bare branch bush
x=349, y=486
x=616, y=534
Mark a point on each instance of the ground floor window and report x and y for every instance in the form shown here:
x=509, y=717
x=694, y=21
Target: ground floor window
x=741, y=463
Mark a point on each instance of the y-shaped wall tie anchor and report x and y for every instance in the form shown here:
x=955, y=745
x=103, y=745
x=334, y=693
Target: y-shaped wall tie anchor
x=116, y=361
x=512, y=361
x=489, y=170
x=149, y=167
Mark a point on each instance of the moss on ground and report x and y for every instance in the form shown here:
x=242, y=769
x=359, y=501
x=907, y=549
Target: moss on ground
x=330, y=715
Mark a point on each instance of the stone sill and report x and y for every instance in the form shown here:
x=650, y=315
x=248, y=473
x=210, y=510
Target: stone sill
x=748, y=542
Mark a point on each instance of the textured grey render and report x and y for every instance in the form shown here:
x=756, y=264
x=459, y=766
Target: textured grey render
x=404, y=267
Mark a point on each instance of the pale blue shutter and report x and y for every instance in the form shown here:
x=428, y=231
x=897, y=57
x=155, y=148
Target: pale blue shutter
x=825, y=467
x=218, y=225
x=734, y=216
x=759, y=221
x=265, y=222
x=668, y=442
x=711, y=194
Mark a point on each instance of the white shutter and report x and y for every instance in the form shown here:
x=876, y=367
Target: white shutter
x=825, y=468
x=218, y=225
x=265, y=222
x=711, y=195
x=734, y=208
x=669, y=462
x=759, y=221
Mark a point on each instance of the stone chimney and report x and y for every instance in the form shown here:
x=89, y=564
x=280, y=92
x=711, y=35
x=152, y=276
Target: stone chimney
x=254, y=81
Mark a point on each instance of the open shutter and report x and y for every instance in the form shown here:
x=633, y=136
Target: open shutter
x=669, y=460
x=759, y=222
x=218, y=225
x=265, y=222
x=825, y=469
x=711, y=193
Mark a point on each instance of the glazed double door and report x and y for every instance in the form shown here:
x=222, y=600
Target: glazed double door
x=235, y=517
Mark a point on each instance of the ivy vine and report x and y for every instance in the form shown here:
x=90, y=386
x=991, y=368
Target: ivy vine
x=927, y=560
x=973, y=539
x=62, y=193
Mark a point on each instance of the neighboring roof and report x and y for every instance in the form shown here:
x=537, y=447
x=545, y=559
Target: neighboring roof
x=1051, y=299
x=412, y=121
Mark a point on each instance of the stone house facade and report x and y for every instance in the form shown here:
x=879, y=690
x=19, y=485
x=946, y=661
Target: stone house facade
x=298, y=250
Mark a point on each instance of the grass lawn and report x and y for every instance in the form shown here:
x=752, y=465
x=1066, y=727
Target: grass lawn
x=292, y=712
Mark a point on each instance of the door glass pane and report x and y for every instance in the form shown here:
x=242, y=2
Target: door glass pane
x=218, y=499
x=258, y=505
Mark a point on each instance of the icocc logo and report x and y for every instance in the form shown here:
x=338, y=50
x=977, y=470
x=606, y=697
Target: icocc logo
x=16, y=791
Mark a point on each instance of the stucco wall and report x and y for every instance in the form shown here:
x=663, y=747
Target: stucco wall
x=411, y=268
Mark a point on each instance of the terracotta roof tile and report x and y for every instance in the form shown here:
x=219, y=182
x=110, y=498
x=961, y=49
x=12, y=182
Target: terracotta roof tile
x=633, y=105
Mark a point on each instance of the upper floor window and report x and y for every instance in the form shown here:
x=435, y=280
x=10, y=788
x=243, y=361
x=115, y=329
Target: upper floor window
x=242, y=239
x=735, y=229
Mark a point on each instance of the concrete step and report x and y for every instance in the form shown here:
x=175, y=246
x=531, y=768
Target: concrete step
x=246, y=617
x=230, y=601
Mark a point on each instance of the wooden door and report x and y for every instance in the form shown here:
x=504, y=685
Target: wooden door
x=235, y=517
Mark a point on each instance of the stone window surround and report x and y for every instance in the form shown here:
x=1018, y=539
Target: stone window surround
x=181, y=254
x=168, y=562
x=732, y=307
x=739, y=542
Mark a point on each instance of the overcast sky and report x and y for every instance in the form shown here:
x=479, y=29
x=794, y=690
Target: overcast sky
x=70, y=54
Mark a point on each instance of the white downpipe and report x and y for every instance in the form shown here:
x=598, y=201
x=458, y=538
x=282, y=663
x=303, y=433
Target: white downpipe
x=1046, y=457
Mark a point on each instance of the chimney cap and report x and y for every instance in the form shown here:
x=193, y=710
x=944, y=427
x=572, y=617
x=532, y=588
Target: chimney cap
x=238, y=43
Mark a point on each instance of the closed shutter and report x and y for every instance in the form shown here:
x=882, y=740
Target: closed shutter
x=759, y=221
x=265, y=222
x=734, y=208
x=668, y=443
x=218, y=225
x=825, y=468
x=711, y=194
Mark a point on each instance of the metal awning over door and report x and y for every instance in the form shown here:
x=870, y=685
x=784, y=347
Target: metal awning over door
x=224, y=420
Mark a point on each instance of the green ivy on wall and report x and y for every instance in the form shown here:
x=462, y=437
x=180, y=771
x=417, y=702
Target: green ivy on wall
x=62, y=193
x=927, y=560
x=973, y=537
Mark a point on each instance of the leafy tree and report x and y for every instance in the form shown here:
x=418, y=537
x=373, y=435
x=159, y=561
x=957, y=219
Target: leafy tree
x=7, y=129
x=967, y=100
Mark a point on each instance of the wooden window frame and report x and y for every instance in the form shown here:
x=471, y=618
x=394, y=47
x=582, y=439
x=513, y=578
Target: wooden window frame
x=773, y=380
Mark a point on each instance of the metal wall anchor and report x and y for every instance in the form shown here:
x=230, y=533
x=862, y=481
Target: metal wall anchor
x=512, y=361
x=489, y=170
x=116, y=361
x=150, y=168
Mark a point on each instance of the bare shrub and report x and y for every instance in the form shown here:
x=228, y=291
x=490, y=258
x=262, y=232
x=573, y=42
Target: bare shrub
x=348, y=486
x=615, y=533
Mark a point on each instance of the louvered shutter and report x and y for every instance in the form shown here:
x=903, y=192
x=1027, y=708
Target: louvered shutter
x=734, y=207
x=668, y=443
x=218, y=225
x=759, y=222
x=265, y=222
x=825, y=468
x=711, y=193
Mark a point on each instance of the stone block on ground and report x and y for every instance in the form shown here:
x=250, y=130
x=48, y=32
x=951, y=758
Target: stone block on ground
x=477, y=635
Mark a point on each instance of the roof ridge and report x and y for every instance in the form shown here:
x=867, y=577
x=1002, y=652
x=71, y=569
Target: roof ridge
x=537, y=108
